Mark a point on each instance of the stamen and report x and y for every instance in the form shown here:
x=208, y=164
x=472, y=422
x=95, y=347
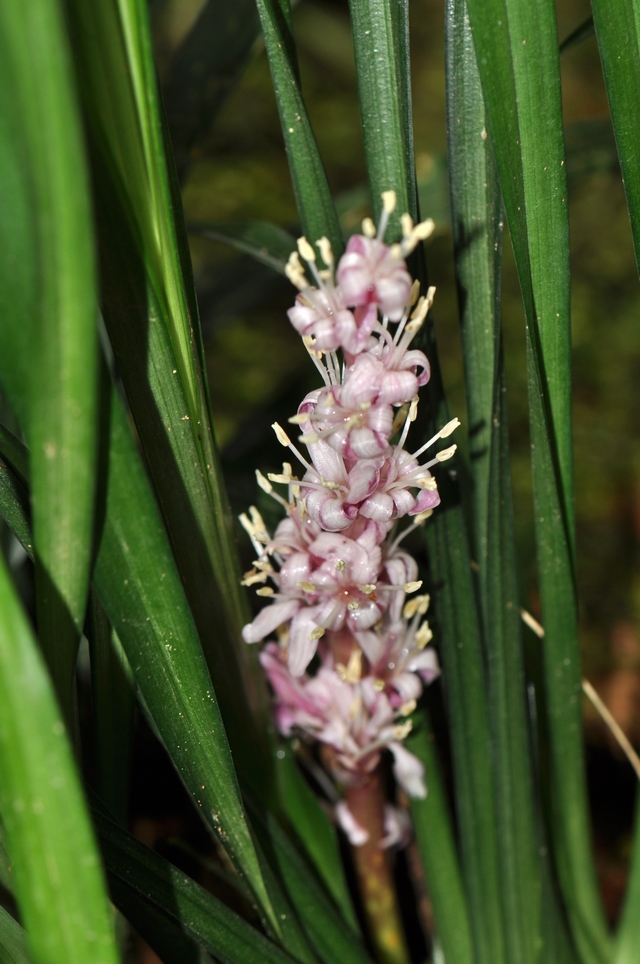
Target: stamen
x=295, y=272
x=306, y=250
x=446, y=453
x=268, y=488
x=423, y=635
x=368, y=228
x=317, y=633
x=265, y=591
x=389, y=200
x=306, y=586
x=368, y=588
x=407, y=225
x=407, y=708
x=325, y=250
x=412, y=586
x=284, y=439
x=419, y=604
x=411, y=417
x=442, y=433
x=340, y=565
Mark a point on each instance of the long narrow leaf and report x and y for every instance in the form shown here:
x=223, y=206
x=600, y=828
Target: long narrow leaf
x=628, y=936
x=517, y=49
x=56, y=877
x=476, y=216
x=150, y=311
x=48, y=341
x=315, y=205
x=381, y=44
x=437, y=846
x=139, y=588
x=145, y=874
x=13, y=941
x=617, y=27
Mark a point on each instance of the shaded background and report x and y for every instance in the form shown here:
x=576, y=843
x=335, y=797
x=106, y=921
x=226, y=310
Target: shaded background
x=233, y=168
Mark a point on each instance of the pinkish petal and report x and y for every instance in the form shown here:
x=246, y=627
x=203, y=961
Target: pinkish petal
x=408, y=771
x=378, y=507
x=268, y=619
x=356, y=835
x=301, y=648
x=426, y=500
x=397, y=828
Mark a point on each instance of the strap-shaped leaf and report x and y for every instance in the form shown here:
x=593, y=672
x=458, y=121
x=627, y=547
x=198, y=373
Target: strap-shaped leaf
x=316, y=832
x=617, y=26
x=13, y=941
x=381, y=44
x=628, y=936
x=151, y=315
x=331, y=938
x=139, y=587
x=267, y=243
x=436, y=842
x=55, y=876
x=48, y=342
x=143, y=875
x=315, y=205
x=517, y=50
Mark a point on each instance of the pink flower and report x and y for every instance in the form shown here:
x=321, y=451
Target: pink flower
x=369, y=272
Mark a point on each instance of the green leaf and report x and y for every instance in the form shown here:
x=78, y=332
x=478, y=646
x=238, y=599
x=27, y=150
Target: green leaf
x=267, y=243
x=139, y=876
x=617, y=26
x=14, y=505
x=381, y=44
x=151, y=315
x=316, y=832
x=48, y=343
x=141, y=592
x=517, y=49
x=113, y=703
x=13, y=941
x=477, y=220
x=204, y=70
x=56, y=876
x=331, y=938
x=627, y=938
x=5, y=862
x=315, y=205
x=436, y=843
x=139, y=588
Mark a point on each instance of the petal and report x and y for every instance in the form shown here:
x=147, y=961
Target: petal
x=408, y=771
x=397, y=828
x=268, y=619
x=301, y=648
x=379, y=507
x=356, y=835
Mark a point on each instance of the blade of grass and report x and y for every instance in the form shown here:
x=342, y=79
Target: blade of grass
x=583, y=32
x=151, y=314
x=381, y=45
x=627, y=938
x=56, y=876
x=517, y=49
x=13, y=941
x=113, y=703
x=316, y=832
x=434, y=833
x=139, y=587
x=315, y=205
x=477, y=220
x=267, y=243
x=617, y=27
x=48, y=346
x=138, y=872
x=330, y=937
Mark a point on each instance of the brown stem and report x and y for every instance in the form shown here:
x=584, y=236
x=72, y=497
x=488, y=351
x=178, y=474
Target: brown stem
x=366, y=802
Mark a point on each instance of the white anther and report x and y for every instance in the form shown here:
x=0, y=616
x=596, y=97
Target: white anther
x=368, y=588
x=299, y=418
x=306, y=586
x=340, y=565
x=309, y=439
x=407, y=225
x=423, y=635
x=402, y=731
x=325, y=250
x=424, y=230
x=415, y=291
x=317, y=633
x=407, y=708
x=294, y=272
x=449, y=428
x=353, y=605
x=389, y=201
x=419, y=604
x=422, y=517
x=412, y=586
x=368, y=228
x=413, y=410
x=306, y=250
x=263, y=483
x=446, y=453
x=427, y=482
x=281, y=435
x=265, y=591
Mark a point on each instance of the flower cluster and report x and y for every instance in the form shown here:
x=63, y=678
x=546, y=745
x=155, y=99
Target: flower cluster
x=340, y=586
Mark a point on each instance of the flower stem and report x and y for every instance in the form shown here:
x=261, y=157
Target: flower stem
x=373, y=870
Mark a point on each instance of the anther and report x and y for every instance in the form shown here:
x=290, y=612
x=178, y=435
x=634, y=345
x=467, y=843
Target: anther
x=407, y=225
x=306, y=586
x=389, y=201
x=265, y=591
x=281, y=435
x=317, y=633
x=306, y=250
x=412, y=586
x=325, y=250
x=446, y=453
x=368, y=228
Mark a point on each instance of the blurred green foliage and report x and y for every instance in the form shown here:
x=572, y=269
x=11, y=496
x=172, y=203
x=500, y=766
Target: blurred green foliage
x=237, y=170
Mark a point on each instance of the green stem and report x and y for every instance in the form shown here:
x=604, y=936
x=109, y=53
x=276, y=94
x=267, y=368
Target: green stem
x=373, y=870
